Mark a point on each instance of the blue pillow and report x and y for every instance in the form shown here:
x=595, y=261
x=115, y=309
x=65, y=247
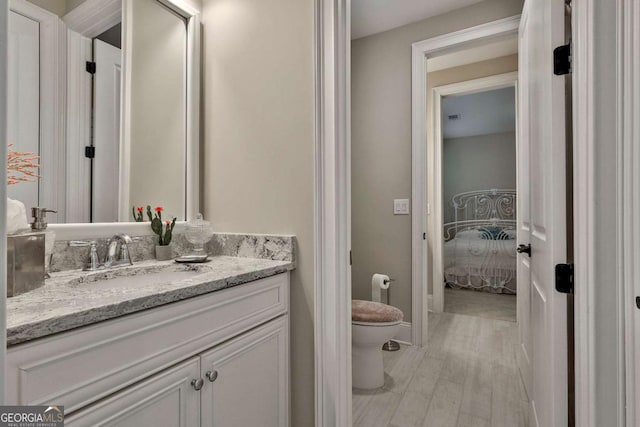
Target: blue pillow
x=493, y=233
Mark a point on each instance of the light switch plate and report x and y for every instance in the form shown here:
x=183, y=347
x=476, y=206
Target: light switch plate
x=401, y=207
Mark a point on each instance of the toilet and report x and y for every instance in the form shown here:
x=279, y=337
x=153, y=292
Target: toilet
x=372, y=324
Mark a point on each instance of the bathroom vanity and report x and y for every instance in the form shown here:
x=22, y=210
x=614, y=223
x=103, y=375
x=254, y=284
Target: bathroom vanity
x=153, y=343
x=158, y=345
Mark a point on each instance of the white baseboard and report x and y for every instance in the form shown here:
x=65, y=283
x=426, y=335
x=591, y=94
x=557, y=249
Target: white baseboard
x=430, y=302
x=404, y=334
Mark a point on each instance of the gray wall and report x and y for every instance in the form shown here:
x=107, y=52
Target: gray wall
x=381, y=144
x=58, y=7
x=477, y=163
x=258, y=154
x=607, y=309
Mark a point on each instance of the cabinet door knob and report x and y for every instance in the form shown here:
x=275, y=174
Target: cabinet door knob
x=197, y=384
x=211, y=375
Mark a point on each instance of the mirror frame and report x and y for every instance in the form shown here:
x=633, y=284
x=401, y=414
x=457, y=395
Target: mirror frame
x=89, y=20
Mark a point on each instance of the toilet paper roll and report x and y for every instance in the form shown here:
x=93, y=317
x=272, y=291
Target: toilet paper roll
x=378, y=283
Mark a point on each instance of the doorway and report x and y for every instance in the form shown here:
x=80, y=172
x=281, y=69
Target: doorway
x=475, y=189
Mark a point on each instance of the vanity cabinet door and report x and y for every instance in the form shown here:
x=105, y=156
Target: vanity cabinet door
x=166, y=399
x=247, y=379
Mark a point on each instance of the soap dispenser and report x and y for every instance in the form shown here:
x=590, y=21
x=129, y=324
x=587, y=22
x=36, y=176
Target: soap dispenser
x=39, y=224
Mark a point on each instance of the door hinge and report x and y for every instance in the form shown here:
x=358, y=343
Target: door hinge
x=90, y=152
x=564, y=278
x=91, y=67
x=350, y=258
x=562, y=60
x=424, y=236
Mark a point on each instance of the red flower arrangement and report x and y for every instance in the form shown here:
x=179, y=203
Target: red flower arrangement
x=163, y=230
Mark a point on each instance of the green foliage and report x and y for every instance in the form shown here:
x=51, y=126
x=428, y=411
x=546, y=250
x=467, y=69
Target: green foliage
x=164, y=230
x=168, y=234
x=137, y=214
x=156, y=226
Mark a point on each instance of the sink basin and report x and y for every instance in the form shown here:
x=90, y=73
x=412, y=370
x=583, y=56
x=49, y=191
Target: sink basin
x=137, y=276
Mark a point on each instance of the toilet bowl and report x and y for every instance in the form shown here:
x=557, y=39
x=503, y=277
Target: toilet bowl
x=372, y=324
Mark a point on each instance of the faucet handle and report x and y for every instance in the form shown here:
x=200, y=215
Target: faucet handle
x=93, y=263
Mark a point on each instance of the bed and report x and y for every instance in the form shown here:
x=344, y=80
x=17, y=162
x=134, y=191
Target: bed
x=480, y=242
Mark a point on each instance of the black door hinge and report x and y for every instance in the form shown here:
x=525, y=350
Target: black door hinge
x=424, y=236
x=91, y=67
x=562, y=60
x=90, y=152
x=564, y=278
x=350, y=258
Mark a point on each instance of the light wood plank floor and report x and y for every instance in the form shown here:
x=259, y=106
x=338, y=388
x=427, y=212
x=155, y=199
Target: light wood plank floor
x=481, y=304
x=465, y=377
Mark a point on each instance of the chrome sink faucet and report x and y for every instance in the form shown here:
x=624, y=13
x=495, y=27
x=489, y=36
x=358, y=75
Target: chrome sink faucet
x=111, y=259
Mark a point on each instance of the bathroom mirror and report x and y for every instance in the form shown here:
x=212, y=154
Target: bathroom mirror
x=114, y=87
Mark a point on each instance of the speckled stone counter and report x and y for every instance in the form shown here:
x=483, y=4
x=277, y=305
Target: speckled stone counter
x=74, y=298
x=277, y=248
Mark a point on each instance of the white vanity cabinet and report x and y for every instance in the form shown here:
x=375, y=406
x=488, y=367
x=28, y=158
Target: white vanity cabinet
x=246, y=380
x=165, y=399
x=219, y=359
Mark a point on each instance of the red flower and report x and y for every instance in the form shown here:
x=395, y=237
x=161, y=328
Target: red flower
x=140, y=209
x=159, y=209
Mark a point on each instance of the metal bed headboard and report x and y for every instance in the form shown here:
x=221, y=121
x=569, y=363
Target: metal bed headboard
x=477, y=210
x=481, y=208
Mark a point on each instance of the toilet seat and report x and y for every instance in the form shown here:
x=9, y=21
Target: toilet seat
x=369, y=313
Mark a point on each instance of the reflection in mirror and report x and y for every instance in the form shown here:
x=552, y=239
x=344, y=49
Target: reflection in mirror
x=118, y=139
x=158, y=109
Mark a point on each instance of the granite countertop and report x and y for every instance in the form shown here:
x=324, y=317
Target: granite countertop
x=72, y=299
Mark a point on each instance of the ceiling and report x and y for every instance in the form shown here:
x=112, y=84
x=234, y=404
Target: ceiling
x=482, y=113
x=375, y=16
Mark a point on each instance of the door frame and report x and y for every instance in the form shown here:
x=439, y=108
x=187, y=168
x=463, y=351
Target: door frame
x=629, y=208
x=332, y=291
x=424, y=155
x=588, y=128
x=434, y=186
x=332, y=228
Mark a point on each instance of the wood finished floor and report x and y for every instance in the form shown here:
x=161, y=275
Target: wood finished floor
x=465, y=377
x=481, y=304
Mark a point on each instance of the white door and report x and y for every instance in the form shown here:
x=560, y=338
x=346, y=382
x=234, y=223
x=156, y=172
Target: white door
x=247, y=381
x=167, y=399
x=23, y=124
x=542, y=355
x=106, y=131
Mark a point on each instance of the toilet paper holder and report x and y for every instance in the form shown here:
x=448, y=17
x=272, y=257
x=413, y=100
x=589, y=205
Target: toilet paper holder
x=390, y=345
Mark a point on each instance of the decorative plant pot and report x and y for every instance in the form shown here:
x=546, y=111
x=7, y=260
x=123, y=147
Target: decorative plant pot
x=164, y=253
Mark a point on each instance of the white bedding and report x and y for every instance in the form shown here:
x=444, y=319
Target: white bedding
x=469, y=249
x=469, y=254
